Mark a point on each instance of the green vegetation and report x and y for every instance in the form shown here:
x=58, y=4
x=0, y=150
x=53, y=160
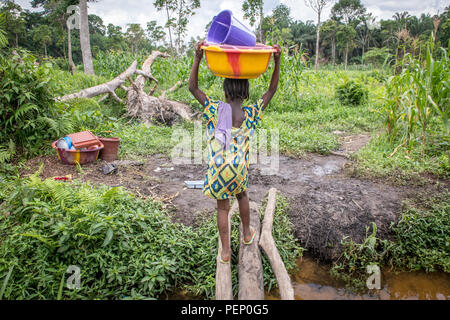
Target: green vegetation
x=126, y=247
x=389, y=79
x=351, y=93
x=28, y=114
x=420, y=242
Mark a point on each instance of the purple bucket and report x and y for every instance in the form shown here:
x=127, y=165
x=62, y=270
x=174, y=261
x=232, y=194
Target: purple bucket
x=226, y=29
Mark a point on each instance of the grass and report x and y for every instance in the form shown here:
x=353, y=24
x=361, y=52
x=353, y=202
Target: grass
x=378, y=160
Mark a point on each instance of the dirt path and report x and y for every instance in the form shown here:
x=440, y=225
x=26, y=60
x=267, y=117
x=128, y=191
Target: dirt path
x=326, y=204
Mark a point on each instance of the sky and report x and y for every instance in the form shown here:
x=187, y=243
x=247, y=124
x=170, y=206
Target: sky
x=123, y=12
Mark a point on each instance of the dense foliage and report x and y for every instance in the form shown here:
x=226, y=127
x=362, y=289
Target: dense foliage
x=351, y=93
x=125, y=247
x=28, y=116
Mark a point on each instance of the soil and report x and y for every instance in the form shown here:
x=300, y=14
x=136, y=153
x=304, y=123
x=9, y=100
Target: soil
x=326, y=203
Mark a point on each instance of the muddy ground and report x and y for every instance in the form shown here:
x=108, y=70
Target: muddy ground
x=326, y=203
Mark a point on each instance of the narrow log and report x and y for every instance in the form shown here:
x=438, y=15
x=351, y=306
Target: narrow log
x=267, y=243
x=224, y=285
x=251, y=281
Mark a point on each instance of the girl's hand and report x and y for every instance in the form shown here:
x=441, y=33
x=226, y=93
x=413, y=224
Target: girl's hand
x=199, y=50
x=277, y=54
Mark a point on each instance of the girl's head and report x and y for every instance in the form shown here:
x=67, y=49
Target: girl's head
x=236, y=89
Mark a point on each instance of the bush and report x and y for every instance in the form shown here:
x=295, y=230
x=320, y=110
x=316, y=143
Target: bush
x=125, y=247
x=420, y=241
x=351, y=93
x=28, y=116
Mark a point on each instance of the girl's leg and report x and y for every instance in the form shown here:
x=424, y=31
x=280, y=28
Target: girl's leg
x=244, y=211
x=223, y=207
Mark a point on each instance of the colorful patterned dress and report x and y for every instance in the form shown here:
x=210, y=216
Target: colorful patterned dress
x=227, y=173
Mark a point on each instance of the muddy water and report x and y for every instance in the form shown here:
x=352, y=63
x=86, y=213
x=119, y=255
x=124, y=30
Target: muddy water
x=313, y=282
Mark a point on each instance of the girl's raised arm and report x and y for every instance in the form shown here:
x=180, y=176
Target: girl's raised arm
x=193, y=78
x=275, y=77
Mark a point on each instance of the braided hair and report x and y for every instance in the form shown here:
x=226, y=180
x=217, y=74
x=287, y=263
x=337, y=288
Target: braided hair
x=236, y=89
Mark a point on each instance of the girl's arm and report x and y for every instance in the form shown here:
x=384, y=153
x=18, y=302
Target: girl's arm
x=275, y=77
x=193, y=78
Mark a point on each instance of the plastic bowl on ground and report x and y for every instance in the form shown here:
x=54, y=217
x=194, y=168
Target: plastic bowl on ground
x=226, y=29
x=78, y=156
x=237, y=62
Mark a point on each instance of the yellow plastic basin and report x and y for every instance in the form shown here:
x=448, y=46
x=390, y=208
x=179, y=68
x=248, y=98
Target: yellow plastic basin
x=237, y=62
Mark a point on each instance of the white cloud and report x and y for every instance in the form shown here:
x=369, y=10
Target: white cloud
x=122, y=12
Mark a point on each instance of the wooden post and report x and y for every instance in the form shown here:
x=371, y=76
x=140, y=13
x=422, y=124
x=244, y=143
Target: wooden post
x=267, y=243
x=251, y=281
x=224, y=285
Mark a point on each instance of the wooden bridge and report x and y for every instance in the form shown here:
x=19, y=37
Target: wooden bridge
x=250, y=269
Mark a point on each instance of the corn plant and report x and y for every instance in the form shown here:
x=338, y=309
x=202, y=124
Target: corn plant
x=416, y=96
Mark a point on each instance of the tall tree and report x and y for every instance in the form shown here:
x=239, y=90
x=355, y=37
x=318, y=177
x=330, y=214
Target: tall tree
x=279, y=24
x=169, y=6
x=115, y=37
x=155, y=33
x=14, y=20
x=345, y=37
x=135, y=36
x=253, y=11
x=85, y=39
x=43, y=35
x=186, y=9
x=350, y=11
x=317, y=6
x=329, y=30
x=55, y=11
x=364, y=31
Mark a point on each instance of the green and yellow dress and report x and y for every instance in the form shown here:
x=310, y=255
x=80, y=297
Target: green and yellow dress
x=227, y=173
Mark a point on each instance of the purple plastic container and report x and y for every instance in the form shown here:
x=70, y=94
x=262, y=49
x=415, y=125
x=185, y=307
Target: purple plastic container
x=226, y=29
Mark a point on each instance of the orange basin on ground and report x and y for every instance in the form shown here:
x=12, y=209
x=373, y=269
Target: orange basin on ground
x=237, y=62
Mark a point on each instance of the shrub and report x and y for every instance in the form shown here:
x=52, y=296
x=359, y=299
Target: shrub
x=28, y=116
x=125, y=247
x=420, y=241
x=351, y=93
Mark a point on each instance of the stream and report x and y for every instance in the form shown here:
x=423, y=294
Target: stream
x=313, y=282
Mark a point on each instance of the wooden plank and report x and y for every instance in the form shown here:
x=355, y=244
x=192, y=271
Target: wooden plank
x=267, y=243
x=251, y=282
x=224, y=285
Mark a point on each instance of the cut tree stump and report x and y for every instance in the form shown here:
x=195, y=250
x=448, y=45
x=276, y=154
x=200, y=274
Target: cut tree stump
x=251, y=281
x=267, y=243
x=224, y=285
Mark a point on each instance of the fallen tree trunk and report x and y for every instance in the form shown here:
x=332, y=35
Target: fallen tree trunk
x=224, y=285
x=104, y=88
x=267, y=243
x=251, y=281
x=140, y=104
